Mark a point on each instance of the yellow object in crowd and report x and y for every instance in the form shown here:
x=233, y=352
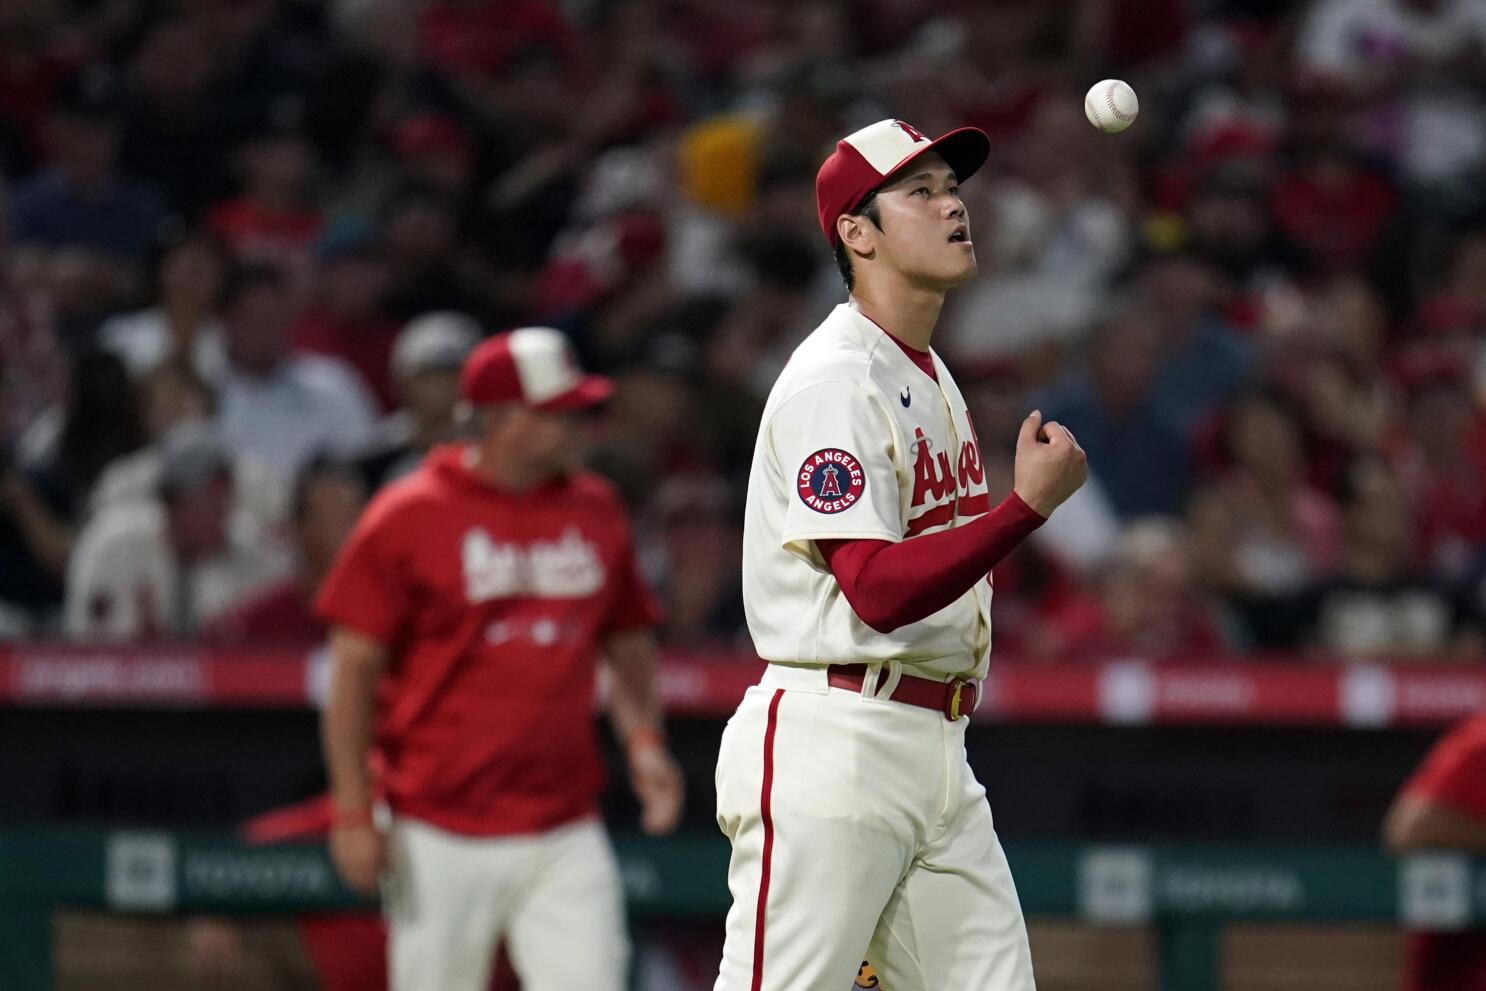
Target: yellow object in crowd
x=718, y=163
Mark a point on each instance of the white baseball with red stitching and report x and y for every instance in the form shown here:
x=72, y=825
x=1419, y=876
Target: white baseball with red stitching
x=1111, y=105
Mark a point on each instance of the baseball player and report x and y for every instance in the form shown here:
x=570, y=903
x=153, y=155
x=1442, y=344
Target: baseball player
x=857, y=827
x=468, y=608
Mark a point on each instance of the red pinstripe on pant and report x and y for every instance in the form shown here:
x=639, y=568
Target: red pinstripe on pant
x=767, y=815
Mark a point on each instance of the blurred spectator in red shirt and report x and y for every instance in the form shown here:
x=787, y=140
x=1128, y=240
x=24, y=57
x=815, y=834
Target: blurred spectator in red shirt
x=37, y=49
x=1443, y=468
x=1330, y=205
x=1132, y=32
x=996, y=68
x=1443, y=807
x=328, y=497
x=1147, y=603
x=272, y=221
x=474, y=40
x=434, y=149
x=1458, y=308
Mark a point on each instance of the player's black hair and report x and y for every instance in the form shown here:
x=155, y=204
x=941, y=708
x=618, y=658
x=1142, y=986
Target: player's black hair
x=867, y=208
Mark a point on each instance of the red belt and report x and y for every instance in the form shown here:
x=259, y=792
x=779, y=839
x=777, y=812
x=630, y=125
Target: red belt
x=953, y=698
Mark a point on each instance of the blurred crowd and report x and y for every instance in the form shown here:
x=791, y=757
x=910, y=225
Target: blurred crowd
x=245, y=244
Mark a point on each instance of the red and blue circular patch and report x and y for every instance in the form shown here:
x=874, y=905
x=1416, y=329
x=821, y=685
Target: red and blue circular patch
x=831, y=480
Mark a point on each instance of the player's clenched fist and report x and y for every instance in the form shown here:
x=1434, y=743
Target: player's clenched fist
x=1050, y=466
x=360, y=854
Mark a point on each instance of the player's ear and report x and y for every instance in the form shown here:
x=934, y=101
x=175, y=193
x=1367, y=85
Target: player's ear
x=855, y=235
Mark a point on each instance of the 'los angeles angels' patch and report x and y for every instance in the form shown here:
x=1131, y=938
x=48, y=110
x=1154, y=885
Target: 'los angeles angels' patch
x=831, y=480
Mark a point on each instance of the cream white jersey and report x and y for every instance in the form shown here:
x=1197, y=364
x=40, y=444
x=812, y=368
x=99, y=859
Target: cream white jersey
x=857, y=441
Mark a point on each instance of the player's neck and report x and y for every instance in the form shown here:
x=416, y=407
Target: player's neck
x=907, y=312
x=500, y=472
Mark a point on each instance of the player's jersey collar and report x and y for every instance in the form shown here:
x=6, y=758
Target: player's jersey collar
x=872, y=331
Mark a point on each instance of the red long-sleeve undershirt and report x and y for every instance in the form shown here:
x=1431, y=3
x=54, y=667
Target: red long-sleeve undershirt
x=890, y=585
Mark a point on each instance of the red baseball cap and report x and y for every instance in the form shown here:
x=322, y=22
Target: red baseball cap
x=535, y=366
x=863, y=160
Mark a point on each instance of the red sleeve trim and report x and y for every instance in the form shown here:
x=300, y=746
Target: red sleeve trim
x=892, y=585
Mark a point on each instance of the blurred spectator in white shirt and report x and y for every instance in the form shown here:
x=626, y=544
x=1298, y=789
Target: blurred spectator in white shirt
x=276, y=405
x=171, y=396
x=166, y=567
x=183, y=322
x=1417, y=65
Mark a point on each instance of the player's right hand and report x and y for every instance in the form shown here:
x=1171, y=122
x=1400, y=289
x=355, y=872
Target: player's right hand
x=359, y=853
x=1050, y=466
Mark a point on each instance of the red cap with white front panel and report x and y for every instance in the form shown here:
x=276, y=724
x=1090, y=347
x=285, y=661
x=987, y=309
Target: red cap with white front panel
x=864, y=159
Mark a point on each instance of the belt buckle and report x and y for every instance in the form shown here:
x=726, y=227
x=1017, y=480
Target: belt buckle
x=952, y=707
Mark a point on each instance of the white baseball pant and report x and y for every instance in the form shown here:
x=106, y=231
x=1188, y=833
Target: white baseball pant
x=859, y=831
x=556, y=897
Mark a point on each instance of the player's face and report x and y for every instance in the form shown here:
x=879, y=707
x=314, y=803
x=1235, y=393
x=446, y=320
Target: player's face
x=925, y=233
x=548, y=443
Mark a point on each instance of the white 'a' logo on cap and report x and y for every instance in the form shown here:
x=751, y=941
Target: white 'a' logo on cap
x=886, y=143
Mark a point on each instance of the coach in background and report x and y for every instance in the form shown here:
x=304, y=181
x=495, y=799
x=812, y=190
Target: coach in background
x=1443, y=807
x=468, y=611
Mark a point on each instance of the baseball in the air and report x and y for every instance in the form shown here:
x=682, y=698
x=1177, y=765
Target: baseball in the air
x=1111, y=105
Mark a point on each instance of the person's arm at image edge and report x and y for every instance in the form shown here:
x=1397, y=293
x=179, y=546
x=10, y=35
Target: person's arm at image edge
x=1442, y=806
x=1418, y=822
x=356, y=846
